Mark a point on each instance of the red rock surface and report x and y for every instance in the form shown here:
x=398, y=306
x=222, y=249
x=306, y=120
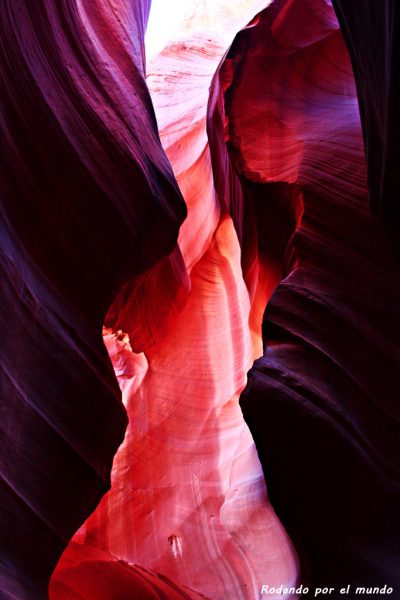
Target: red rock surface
x=78, y=194
x=188, y=497
x=169, y=213
x=329, y=375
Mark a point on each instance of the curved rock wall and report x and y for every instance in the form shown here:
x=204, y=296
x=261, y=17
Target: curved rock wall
x=79, y=191
x=161, y=236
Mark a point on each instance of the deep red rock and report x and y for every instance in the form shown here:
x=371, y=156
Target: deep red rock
x=371, y=31
x=322, y=402
x=80, y=190
x=265, y=142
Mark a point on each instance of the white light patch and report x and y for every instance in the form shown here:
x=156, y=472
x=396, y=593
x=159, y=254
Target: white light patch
x=165, y=21
x=177, y=19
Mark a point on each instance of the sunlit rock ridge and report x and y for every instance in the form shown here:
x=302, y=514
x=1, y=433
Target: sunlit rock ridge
x=200, y=299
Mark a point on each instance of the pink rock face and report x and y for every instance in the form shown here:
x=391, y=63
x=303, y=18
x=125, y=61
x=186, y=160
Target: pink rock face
x=188, y=472
x=188, y=497
x=152, y=212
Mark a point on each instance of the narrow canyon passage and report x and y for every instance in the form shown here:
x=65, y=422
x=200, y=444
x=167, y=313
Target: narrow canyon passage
x=188, y=497
x=201, y=299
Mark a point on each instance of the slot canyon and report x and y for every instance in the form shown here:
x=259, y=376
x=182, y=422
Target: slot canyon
x=200, y=299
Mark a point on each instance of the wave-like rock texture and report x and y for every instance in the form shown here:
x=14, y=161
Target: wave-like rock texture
x=86, y=573
x=188, y=497
x=266, y=147
x=322, y=403
x=372, y=32
x=88, y=200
